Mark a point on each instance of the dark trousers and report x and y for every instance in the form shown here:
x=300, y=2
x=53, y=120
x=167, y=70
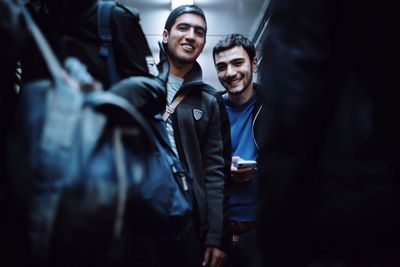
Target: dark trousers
x=244, y=251
x=184, y=250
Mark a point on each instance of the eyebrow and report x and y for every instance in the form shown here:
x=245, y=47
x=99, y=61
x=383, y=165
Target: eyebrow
x=238, y=59
x=235, y=60
x=192, y=26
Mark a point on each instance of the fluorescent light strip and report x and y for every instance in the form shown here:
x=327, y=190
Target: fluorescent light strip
x=176, y=3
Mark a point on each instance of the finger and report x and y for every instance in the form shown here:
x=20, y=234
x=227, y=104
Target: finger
x=236, y=158
x=206, y=257
x=242, y=175
x=247, y=169
x=215, y=261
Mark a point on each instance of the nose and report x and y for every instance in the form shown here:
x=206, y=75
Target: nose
x=230, y=71
x=190, y=34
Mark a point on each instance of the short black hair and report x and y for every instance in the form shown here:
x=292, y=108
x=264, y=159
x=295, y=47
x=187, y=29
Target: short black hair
x=193, y=9
x=232, y=40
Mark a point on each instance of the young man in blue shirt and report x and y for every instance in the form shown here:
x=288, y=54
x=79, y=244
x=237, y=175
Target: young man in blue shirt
x=235, y=62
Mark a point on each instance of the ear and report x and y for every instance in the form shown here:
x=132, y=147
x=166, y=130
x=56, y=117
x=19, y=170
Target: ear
x=254, y=65
x=165, y=36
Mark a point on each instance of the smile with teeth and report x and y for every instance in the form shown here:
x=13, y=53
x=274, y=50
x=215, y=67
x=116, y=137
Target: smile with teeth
x=188, y=47
x=235, y=81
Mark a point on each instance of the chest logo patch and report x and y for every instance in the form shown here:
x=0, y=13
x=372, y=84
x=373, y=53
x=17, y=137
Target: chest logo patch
x=197, y=114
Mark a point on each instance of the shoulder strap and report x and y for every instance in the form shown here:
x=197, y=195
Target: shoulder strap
x=104, y=30
x=178, y=99
x=55, y=68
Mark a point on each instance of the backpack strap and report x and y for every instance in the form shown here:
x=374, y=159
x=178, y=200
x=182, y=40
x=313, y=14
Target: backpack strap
x=178, y=99
x=104, y=31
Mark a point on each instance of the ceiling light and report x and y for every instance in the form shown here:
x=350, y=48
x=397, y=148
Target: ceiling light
x=176, y=3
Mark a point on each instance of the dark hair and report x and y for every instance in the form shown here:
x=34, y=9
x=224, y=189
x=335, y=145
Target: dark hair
x=193, y=9
x=232, y=40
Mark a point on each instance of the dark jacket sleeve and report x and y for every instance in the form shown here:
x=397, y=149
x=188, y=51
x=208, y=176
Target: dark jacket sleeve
x=217, y=160
x=146, y=94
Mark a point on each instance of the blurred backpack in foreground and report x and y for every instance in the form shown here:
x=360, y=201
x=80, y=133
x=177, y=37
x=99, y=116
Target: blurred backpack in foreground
x=84, y=162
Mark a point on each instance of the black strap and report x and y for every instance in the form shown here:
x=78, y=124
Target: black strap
x=105, y=34
x=54, y=66
x=122, y=177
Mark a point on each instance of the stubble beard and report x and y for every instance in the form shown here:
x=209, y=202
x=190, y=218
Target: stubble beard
x=243, y=88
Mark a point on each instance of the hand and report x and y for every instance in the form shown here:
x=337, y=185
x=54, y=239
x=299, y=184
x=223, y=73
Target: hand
x=240, y=175
x=215, y=256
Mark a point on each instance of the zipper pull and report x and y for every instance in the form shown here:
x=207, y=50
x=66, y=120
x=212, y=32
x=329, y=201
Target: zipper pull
x=184, y=182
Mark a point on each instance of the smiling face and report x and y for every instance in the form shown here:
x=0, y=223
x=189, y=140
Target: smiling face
x=186, y=39
x=235, y=70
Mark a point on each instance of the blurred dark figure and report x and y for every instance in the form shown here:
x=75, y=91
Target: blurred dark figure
x=71, y=28
x=12, y=37
x=329, y=172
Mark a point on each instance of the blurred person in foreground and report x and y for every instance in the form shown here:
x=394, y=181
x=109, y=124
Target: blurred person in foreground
x=330, y=162
x=13, y=246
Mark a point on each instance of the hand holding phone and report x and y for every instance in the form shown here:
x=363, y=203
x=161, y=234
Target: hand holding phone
x=242, y=170
x=246, y=164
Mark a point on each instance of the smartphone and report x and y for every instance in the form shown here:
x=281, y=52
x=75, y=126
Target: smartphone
x=246, y=164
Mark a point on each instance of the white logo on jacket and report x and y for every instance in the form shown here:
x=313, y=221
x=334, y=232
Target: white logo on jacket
x=197, y=113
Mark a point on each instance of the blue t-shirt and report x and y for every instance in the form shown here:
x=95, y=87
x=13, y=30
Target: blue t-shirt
x=242, y=196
